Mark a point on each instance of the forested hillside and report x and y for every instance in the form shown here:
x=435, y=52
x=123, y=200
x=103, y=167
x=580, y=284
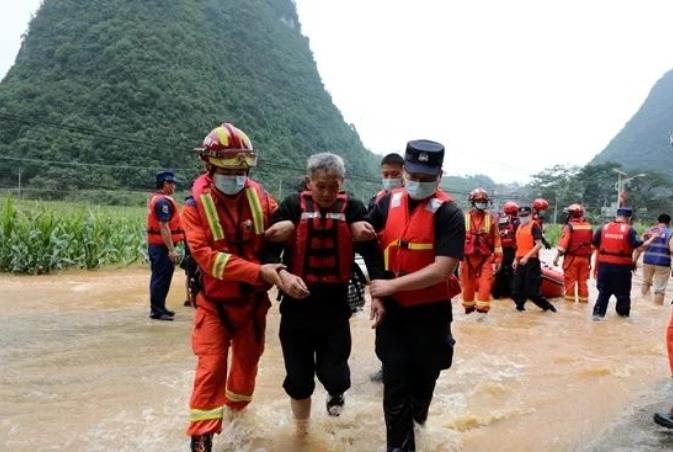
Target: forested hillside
x=105, y=92
x=643, y=143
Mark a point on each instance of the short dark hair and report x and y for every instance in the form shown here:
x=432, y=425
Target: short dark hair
x=664, y=218
x=392, y=159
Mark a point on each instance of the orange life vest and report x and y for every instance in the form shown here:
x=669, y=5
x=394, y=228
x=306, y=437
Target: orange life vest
x=580, y=238
x=244, y=239
x=524, y=239
x=507, y=230
x=615, y=247
x=408, y=245
x=478, y=239
x=322, y=251
x=154, y=225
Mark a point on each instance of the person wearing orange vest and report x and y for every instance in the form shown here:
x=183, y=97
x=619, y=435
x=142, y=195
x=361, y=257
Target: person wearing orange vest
x=164, y=231
x=225, y=224
x=422, y=237
x=616, y=244
x=575, y=247
x=527, y=270
x=483, y=254
x=508, y=222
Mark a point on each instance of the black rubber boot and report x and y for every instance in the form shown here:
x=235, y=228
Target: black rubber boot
x=664, y=419
x=202, y=443
x=335, y=404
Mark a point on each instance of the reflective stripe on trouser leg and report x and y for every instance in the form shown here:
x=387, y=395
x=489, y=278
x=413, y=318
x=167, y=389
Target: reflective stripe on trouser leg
x=247, y=347
x=485, y=285
x=210, y=345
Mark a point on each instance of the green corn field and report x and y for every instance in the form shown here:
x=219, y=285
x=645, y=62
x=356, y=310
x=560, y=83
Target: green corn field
x=37, y=238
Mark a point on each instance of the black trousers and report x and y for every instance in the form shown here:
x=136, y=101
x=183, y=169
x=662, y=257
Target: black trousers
x=160, y=281
x=527, y=281
x=502, y=286
x=613, y=280
x=315, y=342
x=414, y=345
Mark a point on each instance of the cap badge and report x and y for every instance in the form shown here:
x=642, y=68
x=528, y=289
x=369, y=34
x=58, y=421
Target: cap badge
x=423, y=157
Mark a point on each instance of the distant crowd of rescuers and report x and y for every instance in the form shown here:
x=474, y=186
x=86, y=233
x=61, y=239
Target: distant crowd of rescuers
x=412, y=238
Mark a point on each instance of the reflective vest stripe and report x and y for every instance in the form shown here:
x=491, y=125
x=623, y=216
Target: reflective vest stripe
x=219, y=264
x=233, y=397
x=212, y=217
x=581, y=227
x=329, y=215
x=410, y=246
x=256, y=209
x=206, y=415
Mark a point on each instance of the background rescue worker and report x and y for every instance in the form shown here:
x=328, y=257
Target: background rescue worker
x=575, y=247
x=615, y=243
x=483, y=254
x=527, y=270
x=508, y=222
x=540, y=206
x=392, y=170
x=657, y=259
x=314, y=327
x=422, y=236
x=224, y=225
x=164, y=231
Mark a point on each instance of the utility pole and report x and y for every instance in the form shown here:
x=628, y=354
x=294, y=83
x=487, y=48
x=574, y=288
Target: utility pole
x=555, y=209
x=280, y=189
x=19, y=189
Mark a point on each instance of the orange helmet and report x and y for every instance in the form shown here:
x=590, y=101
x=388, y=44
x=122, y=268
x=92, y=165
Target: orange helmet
x=510, y=208
x=479, y=194
x=575, y=210
x=540, y=204
x=228, y=147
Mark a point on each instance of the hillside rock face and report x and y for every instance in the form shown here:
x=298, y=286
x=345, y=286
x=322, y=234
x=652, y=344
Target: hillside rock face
x=140, y=83
x=644, y=143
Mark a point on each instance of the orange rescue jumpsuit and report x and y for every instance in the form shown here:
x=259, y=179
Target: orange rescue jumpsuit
x=231, y=307
x=482, y=251
x=575, y=246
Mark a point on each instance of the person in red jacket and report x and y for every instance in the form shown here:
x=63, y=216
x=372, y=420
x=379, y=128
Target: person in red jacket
x=483, y=254
x=164, y=231
x=540, y=207
x=422, y=237
x=508, y=222
x=225, y=222
x=575, y=247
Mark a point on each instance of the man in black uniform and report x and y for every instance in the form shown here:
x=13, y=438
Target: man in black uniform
x=422, y=235
x=314, y=329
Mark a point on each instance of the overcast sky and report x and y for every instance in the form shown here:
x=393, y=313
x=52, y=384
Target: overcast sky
x=509, y=87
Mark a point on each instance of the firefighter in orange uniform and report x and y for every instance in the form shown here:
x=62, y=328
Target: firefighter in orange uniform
x=508, y=222
x=224, y=224
x=540, y=206
x=575, y=247
x=164, y=231
x=483, y=254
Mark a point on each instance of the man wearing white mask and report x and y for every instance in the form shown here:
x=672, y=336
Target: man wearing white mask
x=225, y=223
x=392, y=169
x=421, y=236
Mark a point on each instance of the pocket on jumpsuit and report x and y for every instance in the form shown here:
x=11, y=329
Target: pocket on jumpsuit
x=205, y=337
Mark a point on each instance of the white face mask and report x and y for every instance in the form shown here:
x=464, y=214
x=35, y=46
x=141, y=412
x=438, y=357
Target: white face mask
x=229, y=185
x=391, y=183
x=481, y=205
x=420, y=190
x=524, y=220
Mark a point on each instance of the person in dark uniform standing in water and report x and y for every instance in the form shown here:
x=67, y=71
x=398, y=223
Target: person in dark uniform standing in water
x=527, y=270
x=422, y=236
x=164, y=231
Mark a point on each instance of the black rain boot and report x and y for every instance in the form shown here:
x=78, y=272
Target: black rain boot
x=202, y=443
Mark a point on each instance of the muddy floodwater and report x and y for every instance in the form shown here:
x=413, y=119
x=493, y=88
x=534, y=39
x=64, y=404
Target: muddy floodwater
x=83, y=368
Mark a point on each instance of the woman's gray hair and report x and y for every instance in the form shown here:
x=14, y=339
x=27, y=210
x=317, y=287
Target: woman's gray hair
x=326, y=161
